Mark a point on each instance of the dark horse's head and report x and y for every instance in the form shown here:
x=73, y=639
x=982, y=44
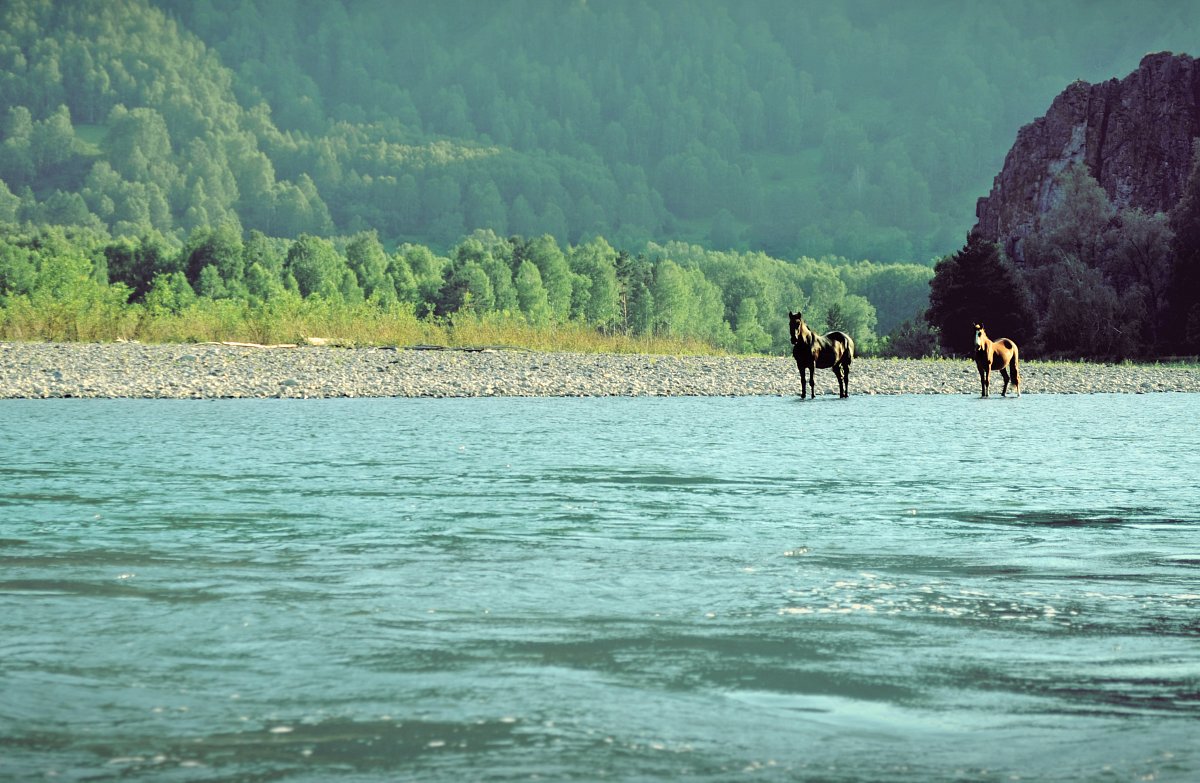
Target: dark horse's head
x=795, y=326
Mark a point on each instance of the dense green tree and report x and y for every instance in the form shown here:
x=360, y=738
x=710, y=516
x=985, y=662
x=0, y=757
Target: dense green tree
x=1085, y=316
x=1184, y=295
x=487, y=252
x=1140, y=266
x=369, y=262
x=65, y=209
x=138, y=145
x=170, y=293
x=531, y=294
x=209, y=283
x=316, y=267
x=261, y=284
x=914, y=339
x=268, y=253
x=9, y=204
x=855, y=316
x=898, y=292
x=555, y=273
x=219, y=247
x=350, y=290
x=404, y=282
x=467, y=287
x=672, y=299
x=485, y=208
x=751, y=337
x=137, y=262
x=1071, y=258
x=1078, y=225
x=53, y=141
x=594, y=264
x=18, y=270
x=467, y=284
x=70, y=286
x=428, y=271
x=635, y=276
x=16, y=151
x=979, y=285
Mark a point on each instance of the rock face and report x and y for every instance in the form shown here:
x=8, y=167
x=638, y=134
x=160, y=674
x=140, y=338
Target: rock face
x=1135, y=136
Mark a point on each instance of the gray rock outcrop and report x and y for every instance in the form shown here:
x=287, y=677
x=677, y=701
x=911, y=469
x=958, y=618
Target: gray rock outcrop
x=1135, y=135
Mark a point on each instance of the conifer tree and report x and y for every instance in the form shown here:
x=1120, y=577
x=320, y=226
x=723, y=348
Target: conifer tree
x=978, y=285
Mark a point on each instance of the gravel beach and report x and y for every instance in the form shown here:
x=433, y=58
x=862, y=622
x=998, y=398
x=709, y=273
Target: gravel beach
x=208, y=371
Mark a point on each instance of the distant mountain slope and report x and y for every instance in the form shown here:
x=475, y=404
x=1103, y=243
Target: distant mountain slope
x=860, y=129
x=116, y=117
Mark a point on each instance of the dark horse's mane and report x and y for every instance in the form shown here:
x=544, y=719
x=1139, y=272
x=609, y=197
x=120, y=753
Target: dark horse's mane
x=833, y=350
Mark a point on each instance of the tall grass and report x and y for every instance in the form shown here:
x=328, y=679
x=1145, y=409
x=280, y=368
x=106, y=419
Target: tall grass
x=294, y=320
x=506, y=331
x=284, y=321
x=55, y=320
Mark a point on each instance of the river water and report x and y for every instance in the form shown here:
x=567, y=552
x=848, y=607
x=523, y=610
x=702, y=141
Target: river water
x=909, y=588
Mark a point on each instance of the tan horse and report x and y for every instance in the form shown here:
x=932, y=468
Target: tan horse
x=810, y=350
x=995, y=355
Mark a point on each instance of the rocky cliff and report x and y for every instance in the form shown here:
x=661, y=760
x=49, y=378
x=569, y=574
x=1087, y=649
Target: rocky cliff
x=1135, y=135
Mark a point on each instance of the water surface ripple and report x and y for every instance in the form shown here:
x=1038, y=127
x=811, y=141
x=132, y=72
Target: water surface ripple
x=903, y=589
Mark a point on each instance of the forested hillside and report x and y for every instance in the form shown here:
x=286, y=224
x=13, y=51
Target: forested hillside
x=720, y=140
x=859, y=129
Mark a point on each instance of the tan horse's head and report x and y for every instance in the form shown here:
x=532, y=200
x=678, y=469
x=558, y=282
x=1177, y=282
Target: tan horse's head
x=980, y=336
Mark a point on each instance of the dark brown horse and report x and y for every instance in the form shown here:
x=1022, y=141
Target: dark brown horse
x=995, y=355
x=811, y=350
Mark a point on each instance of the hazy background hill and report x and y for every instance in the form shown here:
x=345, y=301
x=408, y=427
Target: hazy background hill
x=857, y=129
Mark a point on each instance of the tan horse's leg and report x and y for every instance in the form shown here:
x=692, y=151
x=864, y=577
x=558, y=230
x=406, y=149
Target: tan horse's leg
x=1004, y=375
x=984, y=381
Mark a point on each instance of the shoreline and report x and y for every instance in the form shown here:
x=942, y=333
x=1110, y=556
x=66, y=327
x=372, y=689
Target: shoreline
x=219, y=371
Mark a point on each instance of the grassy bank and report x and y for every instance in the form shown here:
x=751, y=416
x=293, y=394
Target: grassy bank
x=294, y=320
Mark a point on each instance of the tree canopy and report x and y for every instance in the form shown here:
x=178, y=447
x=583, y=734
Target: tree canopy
x=857, y=129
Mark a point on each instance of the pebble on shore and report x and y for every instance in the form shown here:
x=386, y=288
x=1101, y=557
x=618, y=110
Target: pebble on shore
x=210, y=371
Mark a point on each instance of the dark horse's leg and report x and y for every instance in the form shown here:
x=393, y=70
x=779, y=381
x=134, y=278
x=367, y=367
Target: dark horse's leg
x=846, y=380
x=812, y=380
x=1004, y=374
